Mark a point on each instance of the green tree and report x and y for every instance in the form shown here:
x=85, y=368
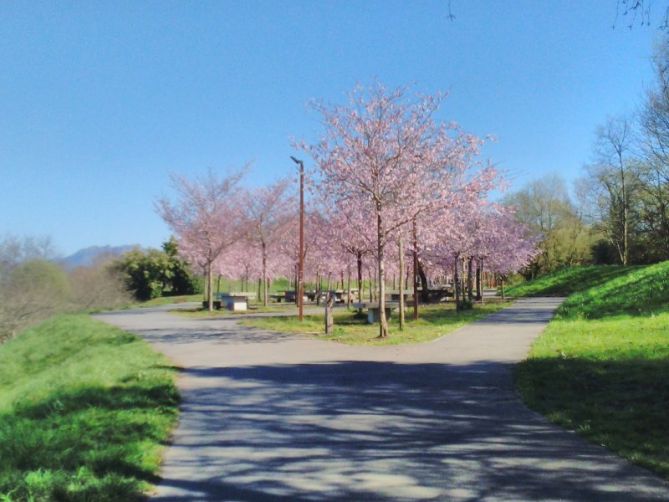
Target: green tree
x=181, y=278
x=654, y=173
x=564, y=236
x=153, y=273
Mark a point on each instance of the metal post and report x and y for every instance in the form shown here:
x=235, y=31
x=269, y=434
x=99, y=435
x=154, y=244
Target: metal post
x=300, y=260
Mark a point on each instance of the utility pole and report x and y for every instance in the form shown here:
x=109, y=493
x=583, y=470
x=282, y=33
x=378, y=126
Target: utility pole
x=300, y=260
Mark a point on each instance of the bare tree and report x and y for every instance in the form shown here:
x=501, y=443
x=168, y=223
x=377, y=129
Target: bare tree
x=614, y=152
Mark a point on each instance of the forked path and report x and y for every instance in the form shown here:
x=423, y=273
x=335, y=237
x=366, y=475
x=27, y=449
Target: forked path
x=275, y=417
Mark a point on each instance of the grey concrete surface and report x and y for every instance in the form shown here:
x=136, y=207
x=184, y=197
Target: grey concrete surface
x=283, y=418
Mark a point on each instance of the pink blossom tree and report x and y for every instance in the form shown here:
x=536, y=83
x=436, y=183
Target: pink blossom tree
x=206, y=219
x=384, y=156
x=268, y=210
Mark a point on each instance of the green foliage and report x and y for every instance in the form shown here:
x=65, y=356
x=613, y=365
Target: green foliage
x=151, y=274
x=602, y=366
x=564, y=239
x=603, y=253
x=84, y=409
x=181, y=280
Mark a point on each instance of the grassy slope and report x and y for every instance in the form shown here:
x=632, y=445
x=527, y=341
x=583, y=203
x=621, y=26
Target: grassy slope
x=84, y=408
x=352, y=329
x=569, y=280
x=602, y=366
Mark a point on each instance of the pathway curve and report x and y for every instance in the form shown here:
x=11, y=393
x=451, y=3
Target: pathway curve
x=282, y=418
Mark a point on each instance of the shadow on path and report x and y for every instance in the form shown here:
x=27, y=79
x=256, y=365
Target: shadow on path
x=356, y=430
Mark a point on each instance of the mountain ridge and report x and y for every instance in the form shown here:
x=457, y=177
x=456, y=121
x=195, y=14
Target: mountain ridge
x=86, y=257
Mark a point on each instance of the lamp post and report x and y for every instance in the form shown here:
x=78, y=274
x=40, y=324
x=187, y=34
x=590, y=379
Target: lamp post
x=300, y=260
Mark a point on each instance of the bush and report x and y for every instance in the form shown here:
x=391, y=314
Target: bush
x=31, y=292
x=150, y=274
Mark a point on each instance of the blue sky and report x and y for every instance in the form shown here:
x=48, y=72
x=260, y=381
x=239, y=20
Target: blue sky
x=100, y=101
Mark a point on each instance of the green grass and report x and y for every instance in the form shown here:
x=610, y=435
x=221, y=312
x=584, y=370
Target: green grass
x=352, y=329
x=601, y=368
x=569, y=280
x=84, y=410
x=168, y=300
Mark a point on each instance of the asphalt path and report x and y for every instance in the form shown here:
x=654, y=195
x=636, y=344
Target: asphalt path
x=270, y=417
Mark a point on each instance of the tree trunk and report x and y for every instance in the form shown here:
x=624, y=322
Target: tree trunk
x=348, y=292
x=210, y=285
x=425, y=293
x=401, y=274
x=415, y=271
x=359, y=264
x=380, y=246
x=264, y=274
x=456, y=283
x=329, y=318
x=625, y=254
x=479, y=280
x=371, y=286
x=470, y=279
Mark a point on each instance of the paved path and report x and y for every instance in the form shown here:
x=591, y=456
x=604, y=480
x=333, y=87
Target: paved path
x=281, y=418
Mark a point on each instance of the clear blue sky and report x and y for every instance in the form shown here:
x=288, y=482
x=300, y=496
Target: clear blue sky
x=100, y=101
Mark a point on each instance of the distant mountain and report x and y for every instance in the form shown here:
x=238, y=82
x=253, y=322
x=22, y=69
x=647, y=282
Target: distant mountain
x=88, y=256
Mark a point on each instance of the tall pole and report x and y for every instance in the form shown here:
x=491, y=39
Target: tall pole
x=300, y=260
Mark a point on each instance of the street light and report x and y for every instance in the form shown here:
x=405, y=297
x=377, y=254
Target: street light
x=300, y=260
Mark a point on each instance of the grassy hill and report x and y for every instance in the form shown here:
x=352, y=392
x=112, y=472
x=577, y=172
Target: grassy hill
x=569, y=280
x=84, y=408
x=602, y=365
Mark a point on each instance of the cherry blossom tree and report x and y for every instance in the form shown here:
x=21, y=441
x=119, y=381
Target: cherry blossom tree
x=352, y=238
x=479, y=233
x=206, y=219
x=268, y=211
x=385, y=157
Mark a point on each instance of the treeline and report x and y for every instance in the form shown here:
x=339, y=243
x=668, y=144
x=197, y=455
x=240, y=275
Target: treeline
x=620, y=211
x=34, y=287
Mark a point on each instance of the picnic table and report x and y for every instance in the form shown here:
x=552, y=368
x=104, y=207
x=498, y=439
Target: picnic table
x=216, y=304
x=290, y=296
x=235, y=302
x=373, y=310
x=277, y=297
x=395, y=296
